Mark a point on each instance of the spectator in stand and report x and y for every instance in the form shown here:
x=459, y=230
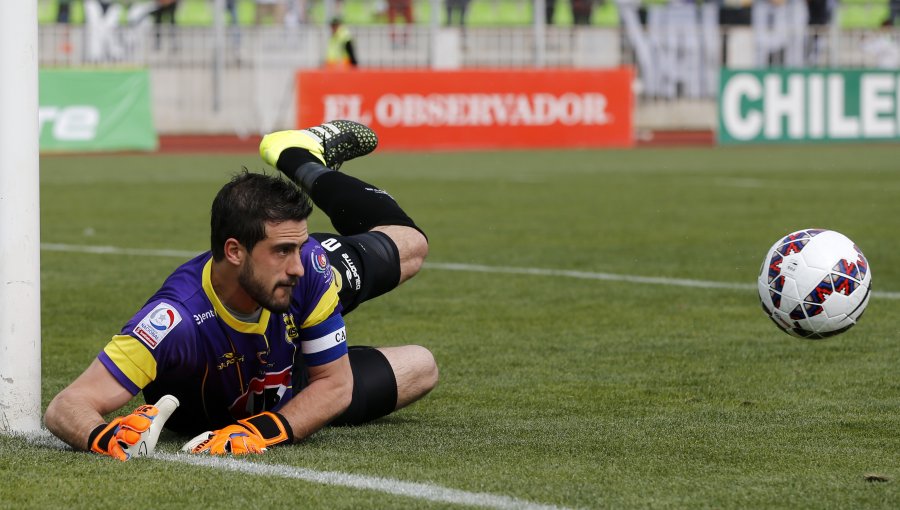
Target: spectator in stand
x=880, y=48
x=231, y=9
x=550, y=11
x=893, y=13
x=165, y=12
x=459, y=7
x=397, y=8
x=379, y=11
x=63, y=11
x=819, y=18
x=340, y=52
x=63, y=16
x=820, y=11
x=272, y=10
x=234, y=29
x=582, y=11
x=297, y=12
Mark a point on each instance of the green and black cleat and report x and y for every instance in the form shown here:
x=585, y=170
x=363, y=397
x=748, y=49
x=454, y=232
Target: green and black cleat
x=333, y=142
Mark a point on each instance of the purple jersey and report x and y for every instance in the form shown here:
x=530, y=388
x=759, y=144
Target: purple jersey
x=184, y=342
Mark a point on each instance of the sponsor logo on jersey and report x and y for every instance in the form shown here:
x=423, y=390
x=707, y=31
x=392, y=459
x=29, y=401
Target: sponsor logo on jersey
x=352, y=273
x=331, y=244
x=228, y=359
x=200, y=318
x=154, y=327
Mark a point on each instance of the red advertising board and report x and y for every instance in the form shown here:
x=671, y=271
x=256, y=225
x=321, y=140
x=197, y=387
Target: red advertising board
x=480, y=109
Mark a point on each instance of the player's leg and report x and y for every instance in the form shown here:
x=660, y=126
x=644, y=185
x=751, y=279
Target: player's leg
x=375, y=261
x=309, y=158
x=377, y=239
x=367, y=265
x=387, y=379
x=415, y=371
x=355, y=207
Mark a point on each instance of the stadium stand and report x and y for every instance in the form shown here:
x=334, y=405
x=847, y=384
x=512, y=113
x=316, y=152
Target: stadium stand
x=246, y=78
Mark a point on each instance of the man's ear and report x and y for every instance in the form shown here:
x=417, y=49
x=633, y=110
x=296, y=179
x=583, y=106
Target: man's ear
x=234, y=252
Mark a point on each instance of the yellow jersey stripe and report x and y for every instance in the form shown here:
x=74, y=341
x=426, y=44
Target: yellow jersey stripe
x=325, y=306
x=133, y=359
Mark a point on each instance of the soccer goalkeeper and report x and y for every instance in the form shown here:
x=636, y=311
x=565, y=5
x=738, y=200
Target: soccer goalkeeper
x=250, y=336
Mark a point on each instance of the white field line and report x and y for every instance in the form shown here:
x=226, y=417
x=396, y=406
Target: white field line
x=114, y=250
x=471, y=268
x=414, y=490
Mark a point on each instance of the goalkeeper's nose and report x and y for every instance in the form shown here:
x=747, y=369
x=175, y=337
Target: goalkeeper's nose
x=295, y=266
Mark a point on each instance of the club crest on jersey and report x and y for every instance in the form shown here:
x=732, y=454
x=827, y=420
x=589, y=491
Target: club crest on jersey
x=157, y=324
x=290, y=329
x=319, y=261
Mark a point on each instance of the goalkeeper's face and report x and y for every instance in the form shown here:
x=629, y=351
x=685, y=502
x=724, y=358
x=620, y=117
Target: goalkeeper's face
x=270, y=272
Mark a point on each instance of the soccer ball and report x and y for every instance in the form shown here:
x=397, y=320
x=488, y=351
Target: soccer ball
x=814, y=283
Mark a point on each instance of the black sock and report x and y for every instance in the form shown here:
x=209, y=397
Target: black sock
x=355, y=206
x=301, y=166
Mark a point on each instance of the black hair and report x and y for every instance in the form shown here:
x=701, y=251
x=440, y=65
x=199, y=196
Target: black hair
x=244, y=205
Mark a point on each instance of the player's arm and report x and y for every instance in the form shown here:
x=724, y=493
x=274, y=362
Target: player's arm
x=323, y=344
x=351, y=53
x=328, y=395
x=78, y=409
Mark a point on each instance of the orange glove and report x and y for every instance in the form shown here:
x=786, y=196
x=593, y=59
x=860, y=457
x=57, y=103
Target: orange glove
x=250, y=435
x=123, y=432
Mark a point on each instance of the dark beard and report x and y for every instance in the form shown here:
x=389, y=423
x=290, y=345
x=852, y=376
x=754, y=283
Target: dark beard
x=256, y=290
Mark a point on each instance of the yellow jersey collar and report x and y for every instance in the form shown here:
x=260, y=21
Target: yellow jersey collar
x=257, y=328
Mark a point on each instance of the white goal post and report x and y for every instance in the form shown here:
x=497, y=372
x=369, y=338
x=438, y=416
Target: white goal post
x=20, y=293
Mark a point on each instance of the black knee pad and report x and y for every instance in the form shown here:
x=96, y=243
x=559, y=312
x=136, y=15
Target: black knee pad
x=374, y=387
x=368, y=263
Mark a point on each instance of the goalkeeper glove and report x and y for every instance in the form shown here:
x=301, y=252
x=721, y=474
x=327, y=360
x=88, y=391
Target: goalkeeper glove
x=122, y=433
x=250, y=435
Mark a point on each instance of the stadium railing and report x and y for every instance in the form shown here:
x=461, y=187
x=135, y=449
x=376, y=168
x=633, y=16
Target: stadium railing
x=240, y=80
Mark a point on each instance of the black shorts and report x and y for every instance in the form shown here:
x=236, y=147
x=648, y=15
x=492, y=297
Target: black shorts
x=374, y=385
x=368, y=264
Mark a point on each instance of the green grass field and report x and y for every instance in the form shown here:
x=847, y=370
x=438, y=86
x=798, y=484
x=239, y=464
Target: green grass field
x=555, y=390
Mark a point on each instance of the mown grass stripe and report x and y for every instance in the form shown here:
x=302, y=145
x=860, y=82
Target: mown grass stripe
x=475, y=268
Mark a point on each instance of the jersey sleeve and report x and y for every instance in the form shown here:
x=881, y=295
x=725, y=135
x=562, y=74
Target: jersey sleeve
x=160, y=332
x=322, y=333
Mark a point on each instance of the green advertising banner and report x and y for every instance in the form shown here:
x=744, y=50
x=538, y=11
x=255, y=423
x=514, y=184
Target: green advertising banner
x=808, y=105
x=96, y=111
